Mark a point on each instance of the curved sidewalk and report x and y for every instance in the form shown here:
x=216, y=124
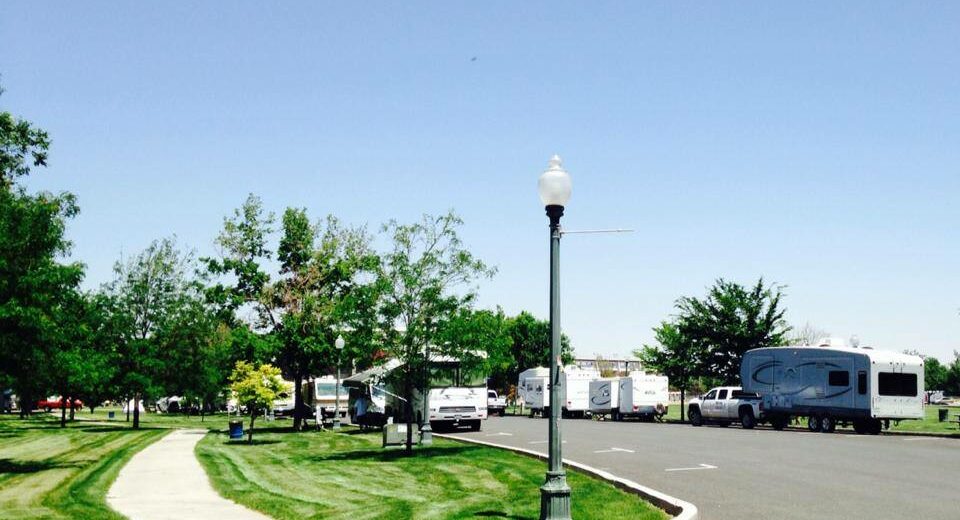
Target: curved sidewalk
x=166, y=481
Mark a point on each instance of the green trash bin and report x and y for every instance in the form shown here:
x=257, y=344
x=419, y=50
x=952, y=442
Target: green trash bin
x=942, y=414
x=236, y=429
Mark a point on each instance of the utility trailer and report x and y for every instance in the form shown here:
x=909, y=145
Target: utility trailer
x=575, y=383
x=832, y=385
x=533, y=386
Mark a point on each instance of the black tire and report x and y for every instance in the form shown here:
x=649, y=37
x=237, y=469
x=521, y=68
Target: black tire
x=827, y=424
x=696, y=418
x=475, y=425
x=860, y=426
x=502, y=413
x=874, y=427
x=779, y=422
x=813, y=423
x=747, y=420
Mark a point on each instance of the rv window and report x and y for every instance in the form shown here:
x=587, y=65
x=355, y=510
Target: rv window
x=472, y=378
x=710, y=395
x=862, y=382
x=897, y=384
x=839, y=378
x=723, y=395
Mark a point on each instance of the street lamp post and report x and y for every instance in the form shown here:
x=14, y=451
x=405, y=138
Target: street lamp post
x=339, y=343
x=554, y=187
x=426, y=432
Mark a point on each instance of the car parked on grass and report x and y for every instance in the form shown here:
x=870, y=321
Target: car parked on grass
x=57, y=403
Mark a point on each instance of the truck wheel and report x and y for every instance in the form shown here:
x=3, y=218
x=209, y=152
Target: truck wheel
x=875, y=426
x=859, y=426
x=696, y=418
x=827, y=424
x=813, y=423
x=747, y=420
x=475, y=426
x=779, y=422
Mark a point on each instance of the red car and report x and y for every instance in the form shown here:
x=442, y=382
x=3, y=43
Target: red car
x=58, y=403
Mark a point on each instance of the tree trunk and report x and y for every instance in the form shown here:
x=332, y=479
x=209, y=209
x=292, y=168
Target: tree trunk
x=682, y=411
x=127, y=404
x=136, y=412
x=253, y=417
x=73, y=407
x=297, y=401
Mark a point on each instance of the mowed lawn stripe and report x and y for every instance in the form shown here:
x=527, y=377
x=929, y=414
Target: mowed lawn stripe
x=348, y=475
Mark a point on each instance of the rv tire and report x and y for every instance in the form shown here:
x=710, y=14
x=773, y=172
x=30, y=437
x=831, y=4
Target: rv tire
x=696, y=418
x=827, y=424
x=875, y=427
x=747, y=420
x=813, y=423
x=475, y=425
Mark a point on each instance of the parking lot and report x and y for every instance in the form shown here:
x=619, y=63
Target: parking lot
x=731, y=473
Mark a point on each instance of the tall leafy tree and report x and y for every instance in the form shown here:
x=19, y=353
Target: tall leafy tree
x=36, y=285
x=425, y=278
x=731, y=320
x=321, y=283
x=482, y=331
x=530, y=346
x=674, y=356
x=153, y=290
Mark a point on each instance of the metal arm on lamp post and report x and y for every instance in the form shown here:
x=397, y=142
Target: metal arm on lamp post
x=555, y=187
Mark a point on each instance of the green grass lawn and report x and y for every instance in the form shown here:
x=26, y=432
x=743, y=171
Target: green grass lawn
x=348, y=475
x=49, y=472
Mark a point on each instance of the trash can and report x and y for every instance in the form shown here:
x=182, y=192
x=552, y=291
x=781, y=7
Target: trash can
x=236, y=429
x=942, y=414
x=111, y=415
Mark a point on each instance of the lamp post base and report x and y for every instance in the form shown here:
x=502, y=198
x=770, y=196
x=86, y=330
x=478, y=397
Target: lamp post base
x=336, y=423
x=555, y=497
x=426, y=435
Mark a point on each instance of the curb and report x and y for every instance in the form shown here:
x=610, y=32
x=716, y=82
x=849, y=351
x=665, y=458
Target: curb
x=679, y=509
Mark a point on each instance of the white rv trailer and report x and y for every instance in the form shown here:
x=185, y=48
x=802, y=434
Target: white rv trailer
x=643, y=395
x=604, y=397
x=831, y=384
x=533, y=387
x=575, y=383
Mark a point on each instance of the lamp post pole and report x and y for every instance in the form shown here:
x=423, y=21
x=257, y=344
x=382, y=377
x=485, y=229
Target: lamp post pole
x=339, y=343
x=426, y=432
x=555, y=190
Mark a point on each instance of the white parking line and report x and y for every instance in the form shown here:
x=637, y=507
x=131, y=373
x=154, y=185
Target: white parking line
x=500, y=434
x=701, y=466
x=612, y=450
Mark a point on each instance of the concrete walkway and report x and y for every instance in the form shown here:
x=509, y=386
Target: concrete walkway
x=166, y=481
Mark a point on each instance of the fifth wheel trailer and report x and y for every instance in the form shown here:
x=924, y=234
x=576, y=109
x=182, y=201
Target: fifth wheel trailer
x=827, y=385
x=533, y=385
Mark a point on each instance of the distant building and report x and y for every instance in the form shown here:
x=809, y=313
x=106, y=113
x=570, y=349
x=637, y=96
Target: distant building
x=609, y=367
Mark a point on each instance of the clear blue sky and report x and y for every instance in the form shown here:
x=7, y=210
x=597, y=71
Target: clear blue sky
x=814, y=144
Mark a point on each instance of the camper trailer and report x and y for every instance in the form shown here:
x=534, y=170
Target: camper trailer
x=575, y=383
x=605, y=397
x=835, y=384
x=643, y=395
x=533, y=387
x=458, y=395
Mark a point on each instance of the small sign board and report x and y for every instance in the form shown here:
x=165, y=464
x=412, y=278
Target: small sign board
x=396, y=434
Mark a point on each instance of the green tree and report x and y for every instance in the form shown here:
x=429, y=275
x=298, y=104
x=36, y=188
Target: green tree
x=951, y=383
x=36, y=288
x=731, y=320
x=674, y=356
x=322, y=268
x=934, y=374
x=154, y=291
x=425, y=279
x=531, y=345
x=486, y=331
x=256, y=388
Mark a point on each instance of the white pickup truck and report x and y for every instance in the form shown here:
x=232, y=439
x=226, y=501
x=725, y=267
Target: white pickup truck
x=496, y=404
x=725, y=405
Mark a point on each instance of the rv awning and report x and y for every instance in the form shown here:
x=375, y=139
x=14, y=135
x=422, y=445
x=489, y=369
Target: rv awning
x=361, y=379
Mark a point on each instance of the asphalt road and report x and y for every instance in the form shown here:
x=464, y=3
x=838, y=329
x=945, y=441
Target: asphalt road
x=731, y=473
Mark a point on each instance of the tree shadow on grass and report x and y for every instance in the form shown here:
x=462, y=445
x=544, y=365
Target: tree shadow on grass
x=256, y=442
x=395, y=454
x=501, y=514
x=32, y=466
